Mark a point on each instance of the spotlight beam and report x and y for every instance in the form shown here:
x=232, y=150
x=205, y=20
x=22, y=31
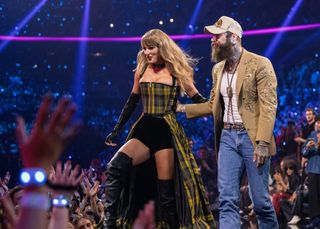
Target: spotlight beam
x=175, y=37
x=191, y=22
x=277, y=38
x=81, y=60
x=17, y=28
x=312, y=39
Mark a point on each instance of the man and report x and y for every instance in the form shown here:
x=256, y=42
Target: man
x=243, y=102
x=306, y=129
x=312, y=152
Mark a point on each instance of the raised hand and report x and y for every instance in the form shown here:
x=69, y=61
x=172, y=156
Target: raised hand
x=145, y=219
x=48, y=137
x=8, y=212
x=95, y=189
x=66, y=177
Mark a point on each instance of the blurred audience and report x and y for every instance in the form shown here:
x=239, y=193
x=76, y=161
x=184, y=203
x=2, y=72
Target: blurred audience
x=311, y=151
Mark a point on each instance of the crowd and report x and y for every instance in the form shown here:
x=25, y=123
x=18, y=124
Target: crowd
x=288, y=178
x=84, y=189
x=297, y=90
x=55, y=195
x=291, y=170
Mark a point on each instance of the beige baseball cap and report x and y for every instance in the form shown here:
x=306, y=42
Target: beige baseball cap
x=223, y=25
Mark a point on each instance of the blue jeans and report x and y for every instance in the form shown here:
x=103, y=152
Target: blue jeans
x=235, y=156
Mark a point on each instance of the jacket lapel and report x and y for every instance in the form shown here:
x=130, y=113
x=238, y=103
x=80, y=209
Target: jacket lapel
x=241, y=72
x=219, y=79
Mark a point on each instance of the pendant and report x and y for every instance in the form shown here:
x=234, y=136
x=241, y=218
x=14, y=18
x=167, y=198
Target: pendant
x=229, y=92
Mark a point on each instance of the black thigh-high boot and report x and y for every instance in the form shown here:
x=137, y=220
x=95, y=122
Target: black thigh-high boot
x=167, y=202
x=117, y=171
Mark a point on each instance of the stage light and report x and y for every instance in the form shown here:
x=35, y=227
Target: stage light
x=24, y=21
x=39, y=176
x=160, y=22
x=79, y=77
x=277, y=38
x=175, y=37
x=171, y=20
x=25, y=177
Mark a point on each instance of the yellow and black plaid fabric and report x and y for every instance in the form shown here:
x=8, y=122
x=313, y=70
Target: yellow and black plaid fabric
x=191, y=186
x=193, y=206
x=157, y=98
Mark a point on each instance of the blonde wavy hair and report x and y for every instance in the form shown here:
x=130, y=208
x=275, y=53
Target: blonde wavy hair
x=179, y=63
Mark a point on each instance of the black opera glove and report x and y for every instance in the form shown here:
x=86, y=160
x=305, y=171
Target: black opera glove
x=126, y=112
x=110, y=137
x=198, y=98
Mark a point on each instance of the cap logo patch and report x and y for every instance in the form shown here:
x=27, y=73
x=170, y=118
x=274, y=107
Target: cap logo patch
x=219, y=23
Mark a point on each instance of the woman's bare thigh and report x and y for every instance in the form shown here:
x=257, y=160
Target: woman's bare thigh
x=136, y=150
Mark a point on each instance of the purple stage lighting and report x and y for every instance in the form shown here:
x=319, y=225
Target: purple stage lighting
x=175, y=37
x=21, y=24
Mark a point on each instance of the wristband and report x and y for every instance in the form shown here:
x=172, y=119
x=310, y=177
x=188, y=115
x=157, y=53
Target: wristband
x=35, y=200
x=60, y=201
x=60, y=187
x=198, y=98
x=33, y=177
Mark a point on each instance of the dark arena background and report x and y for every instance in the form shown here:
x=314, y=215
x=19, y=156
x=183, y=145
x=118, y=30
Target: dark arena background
x=87, y=49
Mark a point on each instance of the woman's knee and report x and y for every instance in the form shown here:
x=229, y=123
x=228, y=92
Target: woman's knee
x=165, y=164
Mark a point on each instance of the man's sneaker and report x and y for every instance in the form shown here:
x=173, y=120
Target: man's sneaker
x=295, y=219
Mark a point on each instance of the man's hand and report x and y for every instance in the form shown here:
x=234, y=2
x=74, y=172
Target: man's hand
x=261, y=153
x=44, y=145
x=181, y=108
x=310, y=144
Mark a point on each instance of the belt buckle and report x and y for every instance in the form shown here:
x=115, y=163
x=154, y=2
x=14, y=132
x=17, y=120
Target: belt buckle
x=229, y=126
x=234, y=126
x=240, y=127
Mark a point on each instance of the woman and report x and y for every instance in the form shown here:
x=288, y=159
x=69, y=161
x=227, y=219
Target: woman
x=84, y=222
x=287, y=182
x=162, y=70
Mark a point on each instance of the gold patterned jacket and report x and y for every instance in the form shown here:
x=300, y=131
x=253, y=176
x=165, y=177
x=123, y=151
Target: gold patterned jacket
x=256, y=97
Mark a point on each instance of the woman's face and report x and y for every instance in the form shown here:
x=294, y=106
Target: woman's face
x=289, y=171
x=152, y=55
x=84, y=224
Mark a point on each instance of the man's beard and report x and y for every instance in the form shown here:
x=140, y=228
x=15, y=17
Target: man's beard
x=222, y=52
